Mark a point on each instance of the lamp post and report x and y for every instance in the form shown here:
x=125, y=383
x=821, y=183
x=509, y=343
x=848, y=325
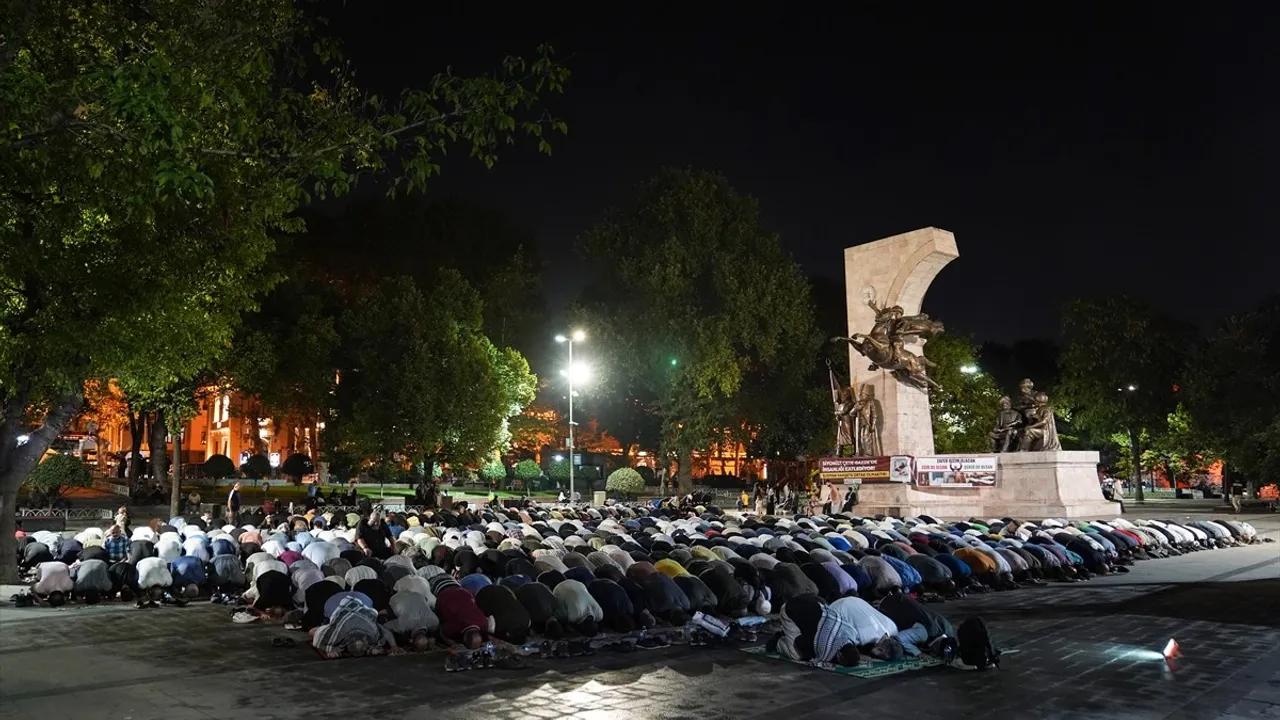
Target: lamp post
x=575, y=336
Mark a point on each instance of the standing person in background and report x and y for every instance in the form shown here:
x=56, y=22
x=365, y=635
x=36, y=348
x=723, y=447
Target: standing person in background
x=193, y=502
x=233, y=505
x=1237, y=495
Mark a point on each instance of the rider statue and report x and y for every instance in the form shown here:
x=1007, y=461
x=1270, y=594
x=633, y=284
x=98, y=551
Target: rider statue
x=885, y=345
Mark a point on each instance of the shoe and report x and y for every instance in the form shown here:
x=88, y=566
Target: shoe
x=243, y=618
x=652, y=643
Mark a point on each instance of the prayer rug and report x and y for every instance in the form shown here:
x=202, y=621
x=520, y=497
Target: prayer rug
x=868, y=668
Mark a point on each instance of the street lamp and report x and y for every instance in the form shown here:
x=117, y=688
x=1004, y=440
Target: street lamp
x=969, y=369
x=578, y=372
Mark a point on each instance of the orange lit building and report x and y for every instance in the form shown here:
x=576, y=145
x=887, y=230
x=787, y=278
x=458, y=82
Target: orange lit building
x=227, y=424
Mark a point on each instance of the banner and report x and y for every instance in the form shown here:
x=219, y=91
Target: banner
x=867, y=469
x=956, y=471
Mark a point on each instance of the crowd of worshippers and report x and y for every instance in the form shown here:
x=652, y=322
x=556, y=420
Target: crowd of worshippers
x=379, y=583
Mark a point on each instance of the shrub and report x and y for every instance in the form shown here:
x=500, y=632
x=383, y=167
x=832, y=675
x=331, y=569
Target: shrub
x=625, y=481
x=58, y=471
x=527, y=471
x=256, y=467
x=219, y=466
x=558, y=470
x=493, y=471
x=297, y=465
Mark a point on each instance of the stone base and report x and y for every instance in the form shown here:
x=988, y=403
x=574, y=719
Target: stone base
x=1029, y=486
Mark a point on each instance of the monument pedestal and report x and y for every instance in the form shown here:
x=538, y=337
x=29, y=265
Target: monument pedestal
x=1029, y=486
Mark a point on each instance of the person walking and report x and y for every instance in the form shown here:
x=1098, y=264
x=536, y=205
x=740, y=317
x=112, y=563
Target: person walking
x=1237, y=495
x=233, y=505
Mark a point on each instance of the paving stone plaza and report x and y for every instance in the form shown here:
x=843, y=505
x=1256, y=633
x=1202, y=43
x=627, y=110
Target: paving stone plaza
x=1087, y=650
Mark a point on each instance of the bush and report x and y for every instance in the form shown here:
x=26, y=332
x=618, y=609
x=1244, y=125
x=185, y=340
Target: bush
x=493, y=471
x=219, y=466
x=558, y=470
x=297, y=465
x=58, y=471
x=625, y=481
x=256, y=467
x=527, y=471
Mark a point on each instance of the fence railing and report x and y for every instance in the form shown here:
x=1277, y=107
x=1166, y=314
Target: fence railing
x=65, y=513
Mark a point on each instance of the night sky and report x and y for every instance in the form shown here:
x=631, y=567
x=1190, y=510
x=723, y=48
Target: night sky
x=1124, y=149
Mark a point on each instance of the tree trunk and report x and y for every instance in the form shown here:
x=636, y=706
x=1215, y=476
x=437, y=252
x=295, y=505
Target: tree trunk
x=175, y=490
x=17, y=461
x=159, y=453
x=1137, y=465
x=685, y=473
x=137, y=424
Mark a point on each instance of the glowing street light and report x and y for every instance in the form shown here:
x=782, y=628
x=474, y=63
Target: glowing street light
x=575, y=373
x=969, y=369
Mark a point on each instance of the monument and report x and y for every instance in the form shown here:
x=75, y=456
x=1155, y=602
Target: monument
x=885, y=409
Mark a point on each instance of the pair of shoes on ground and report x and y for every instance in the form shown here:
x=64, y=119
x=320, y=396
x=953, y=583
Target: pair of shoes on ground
x=243, y=617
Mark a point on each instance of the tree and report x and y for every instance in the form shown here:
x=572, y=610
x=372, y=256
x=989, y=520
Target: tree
x=297, y=466
x=1180, y=447
x=558, y=472
x=152, y=153
x=1234, y=393
x=693, y=295
x=105, y=409
x=283, y=354
x=420, y=383
x=528, y=472
x=256, y=467
x=1121, y=369
x=418, y=237
x=219, y=467
x=533, y=429
x=493, y=471
x=625, y=482
x=964, y=409
x=58, y=471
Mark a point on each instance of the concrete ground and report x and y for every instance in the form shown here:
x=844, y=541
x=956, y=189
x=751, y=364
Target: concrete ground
x=1088, y=650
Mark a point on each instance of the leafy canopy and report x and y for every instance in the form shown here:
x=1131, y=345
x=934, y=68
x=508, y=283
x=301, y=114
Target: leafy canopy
x=1234, y=392
x=693, y=297
x=527, y=470
x=58, y=471
x=964, y=409
x=624, y=481
x=419, y=379
x=1122, y=364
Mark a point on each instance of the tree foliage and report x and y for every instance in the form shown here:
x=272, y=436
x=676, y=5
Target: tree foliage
x=1122, y=365
x=964, y=409
x=1234, y=392
x=625, y=481
x=151, y=154
x=418, y=237
x=420, y=381
x=256, y=467
x=692, y=298
x=1122, y=368
x=558, y=470
x=297, y=466
x=219, y=466
x=527, y=471
x=493, y=471
x=57, y=471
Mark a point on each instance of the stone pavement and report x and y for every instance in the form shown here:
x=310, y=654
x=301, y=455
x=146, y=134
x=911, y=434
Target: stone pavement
x=1089, y=650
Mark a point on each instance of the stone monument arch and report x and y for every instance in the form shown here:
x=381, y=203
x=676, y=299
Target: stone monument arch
x=895, y=271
